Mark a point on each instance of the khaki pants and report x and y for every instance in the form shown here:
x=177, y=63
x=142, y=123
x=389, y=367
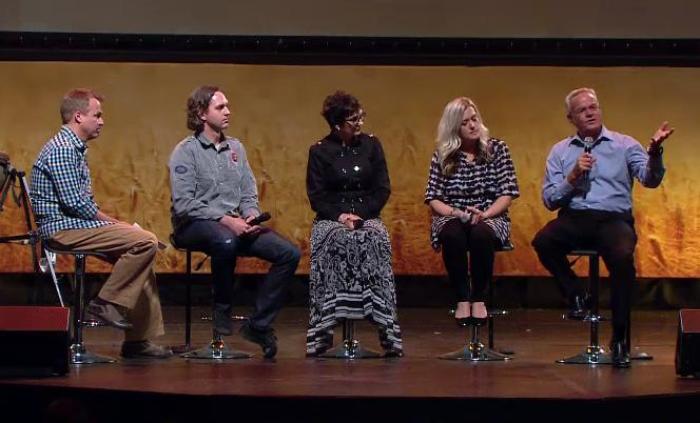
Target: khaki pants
x=132, y=283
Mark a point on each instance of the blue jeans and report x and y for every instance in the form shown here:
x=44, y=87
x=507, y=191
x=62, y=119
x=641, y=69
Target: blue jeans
x=224, y=247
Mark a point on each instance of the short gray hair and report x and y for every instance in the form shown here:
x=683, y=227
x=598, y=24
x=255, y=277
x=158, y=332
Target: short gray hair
x=576, y=92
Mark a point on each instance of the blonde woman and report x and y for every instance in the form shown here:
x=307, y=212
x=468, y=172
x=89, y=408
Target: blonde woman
x=471, y=184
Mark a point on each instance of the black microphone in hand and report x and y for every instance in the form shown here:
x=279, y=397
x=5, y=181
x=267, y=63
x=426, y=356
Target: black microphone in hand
x=262, y=217
x=587, y=147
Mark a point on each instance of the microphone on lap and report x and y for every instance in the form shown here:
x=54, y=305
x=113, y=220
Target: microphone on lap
x=262, y=217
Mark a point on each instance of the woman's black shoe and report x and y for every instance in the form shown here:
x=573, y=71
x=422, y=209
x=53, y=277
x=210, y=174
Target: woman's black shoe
x=478, y=321
x=463, y=322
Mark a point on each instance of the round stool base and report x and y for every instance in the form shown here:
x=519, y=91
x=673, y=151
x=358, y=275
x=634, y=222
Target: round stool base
x=350, y=350
x=475, y=351
x=216, y=350
x=79, y=355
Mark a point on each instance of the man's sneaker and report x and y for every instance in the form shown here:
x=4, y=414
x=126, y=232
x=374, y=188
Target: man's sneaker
x=265, y=338
x=108, y=314
x=144, y=349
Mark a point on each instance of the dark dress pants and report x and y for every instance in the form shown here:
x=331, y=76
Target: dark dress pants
x=612, y=234
x=456, y=239
x=224, y=247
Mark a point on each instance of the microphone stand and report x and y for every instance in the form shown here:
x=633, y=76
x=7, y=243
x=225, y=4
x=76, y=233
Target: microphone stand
x=24, y=202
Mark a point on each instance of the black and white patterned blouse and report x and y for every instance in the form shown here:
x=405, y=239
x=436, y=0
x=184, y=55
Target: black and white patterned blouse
x=476, y=185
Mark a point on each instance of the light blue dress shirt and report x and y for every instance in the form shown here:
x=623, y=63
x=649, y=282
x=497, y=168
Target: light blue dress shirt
x=619, y=159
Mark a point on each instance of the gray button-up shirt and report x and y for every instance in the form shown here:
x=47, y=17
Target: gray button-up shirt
x=207, y=183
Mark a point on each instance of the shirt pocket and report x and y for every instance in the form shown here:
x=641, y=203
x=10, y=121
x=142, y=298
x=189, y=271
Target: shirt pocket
x=203, y=184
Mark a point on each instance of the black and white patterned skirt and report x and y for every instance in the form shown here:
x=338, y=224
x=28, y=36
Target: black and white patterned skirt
x=351, y=278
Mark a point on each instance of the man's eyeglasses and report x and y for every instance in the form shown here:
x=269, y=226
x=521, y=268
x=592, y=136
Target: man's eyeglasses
x=356, y=119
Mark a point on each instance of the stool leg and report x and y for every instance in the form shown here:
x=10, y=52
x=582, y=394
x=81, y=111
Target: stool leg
x=79, y=354
x=634, y=355
x=594, y=353
x=493, y=313
x=490, y=315
x=350, y=348
x=49, y=262
x=188, y=302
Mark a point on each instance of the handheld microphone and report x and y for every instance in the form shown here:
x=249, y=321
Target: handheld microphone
x=262, y=217
x=587, y=147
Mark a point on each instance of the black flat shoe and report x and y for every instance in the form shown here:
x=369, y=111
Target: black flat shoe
x=463, y=322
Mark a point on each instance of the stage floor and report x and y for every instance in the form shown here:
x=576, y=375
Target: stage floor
x=530, y=379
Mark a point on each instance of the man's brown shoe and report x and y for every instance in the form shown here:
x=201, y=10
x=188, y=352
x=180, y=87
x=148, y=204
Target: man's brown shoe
x=108, y=314
x=145, y=349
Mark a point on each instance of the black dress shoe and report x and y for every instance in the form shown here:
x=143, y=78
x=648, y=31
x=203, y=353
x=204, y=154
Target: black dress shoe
x=578, y=308
x=620, y=354
x=264, y=337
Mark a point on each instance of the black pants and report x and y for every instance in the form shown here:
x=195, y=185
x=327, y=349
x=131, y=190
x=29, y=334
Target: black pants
x=223, y=246
x=612, y=235
x=480, y=241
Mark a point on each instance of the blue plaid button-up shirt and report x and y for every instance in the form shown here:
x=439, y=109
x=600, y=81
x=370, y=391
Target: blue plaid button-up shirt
x=61, y=190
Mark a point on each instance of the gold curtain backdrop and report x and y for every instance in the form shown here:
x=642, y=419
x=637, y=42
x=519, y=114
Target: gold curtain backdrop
x=275, y=112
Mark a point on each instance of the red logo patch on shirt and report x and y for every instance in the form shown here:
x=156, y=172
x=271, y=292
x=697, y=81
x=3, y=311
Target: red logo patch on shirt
x=234, y=157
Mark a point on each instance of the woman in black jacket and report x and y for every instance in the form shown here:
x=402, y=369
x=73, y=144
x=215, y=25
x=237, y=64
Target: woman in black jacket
x=348, y=185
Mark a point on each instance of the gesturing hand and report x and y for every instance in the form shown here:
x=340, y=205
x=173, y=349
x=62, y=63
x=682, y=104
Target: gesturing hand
x=660, y=136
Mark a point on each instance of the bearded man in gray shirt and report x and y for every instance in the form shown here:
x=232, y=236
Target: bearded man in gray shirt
x=214, y=202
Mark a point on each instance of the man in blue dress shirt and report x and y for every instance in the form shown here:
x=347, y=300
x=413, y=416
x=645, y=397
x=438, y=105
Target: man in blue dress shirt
x=589, y=178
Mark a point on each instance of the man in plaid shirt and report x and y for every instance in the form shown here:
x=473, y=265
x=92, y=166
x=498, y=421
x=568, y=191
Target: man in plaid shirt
x=69, y=219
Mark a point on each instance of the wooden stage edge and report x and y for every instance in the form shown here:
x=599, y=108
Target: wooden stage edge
x=418, y=387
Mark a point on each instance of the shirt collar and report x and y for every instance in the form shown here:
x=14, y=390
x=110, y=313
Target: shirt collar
x=604, y=136
x=207, y=143
x=79, y=144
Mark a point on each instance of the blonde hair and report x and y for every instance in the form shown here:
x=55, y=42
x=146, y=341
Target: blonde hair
x=448, y=140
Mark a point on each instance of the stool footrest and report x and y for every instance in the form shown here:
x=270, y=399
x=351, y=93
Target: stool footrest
x=589, y=318
x=498, y=312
